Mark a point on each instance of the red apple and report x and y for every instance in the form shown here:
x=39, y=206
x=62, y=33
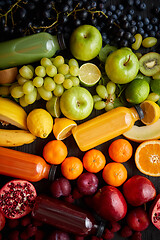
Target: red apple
x=138, y=219
x=110, y=204
x=138, y=190
x=155, y=212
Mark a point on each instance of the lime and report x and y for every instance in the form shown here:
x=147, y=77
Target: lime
x=155, y=86
x=89, y=74
x=137, y=91
x=53, y=106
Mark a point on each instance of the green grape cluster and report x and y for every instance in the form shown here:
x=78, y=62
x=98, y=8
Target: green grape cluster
x=50, y=78
x=104, y=99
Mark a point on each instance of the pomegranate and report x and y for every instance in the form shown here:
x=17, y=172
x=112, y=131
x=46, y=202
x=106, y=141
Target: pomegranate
x=155, y=212
x=17, y=198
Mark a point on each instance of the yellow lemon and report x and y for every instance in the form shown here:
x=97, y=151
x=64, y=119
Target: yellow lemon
x=151, y=112
x=40, y=122
x=62, y=128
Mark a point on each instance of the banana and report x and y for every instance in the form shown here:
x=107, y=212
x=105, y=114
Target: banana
x=11, y=112
x=14, y=138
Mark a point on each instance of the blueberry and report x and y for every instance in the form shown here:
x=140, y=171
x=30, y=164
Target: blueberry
x=133, y=29
x=152, y=33
x=124, y=43
x=109, y=13
x=130, y=2
x=131, y=11
x=118, y=12
x=154, y=20
x=112, y=8
x=146, y=20
x=120, y=33
x=129, y=17
x=141, y=31
x=132, y=40
x=121, y=7
x=140, y=24
x=137, y=2
x=142, y=6
x=149, y=27
x=127, y=35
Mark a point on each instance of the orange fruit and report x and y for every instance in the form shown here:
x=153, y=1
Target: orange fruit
x=94, y=161
x=151, y=112
x=120, y=150
x=55, y=152
x=71, y=168
x=62, y=128
x=114, y=174
x=147, y=157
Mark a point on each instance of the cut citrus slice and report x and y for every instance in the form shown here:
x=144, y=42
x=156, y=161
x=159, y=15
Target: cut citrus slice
x=151, y=112
x=89, y=74
x=62, y=128
x=147, y=158
x=53, y=106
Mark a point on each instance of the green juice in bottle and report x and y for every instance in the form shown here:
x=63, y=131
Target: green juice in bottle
x=29, y=49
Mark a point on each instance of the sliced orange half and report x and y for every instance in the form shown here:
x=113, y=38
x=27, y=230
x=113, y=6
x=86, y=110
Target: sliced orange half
x=62, y=128
x=151, y=112
x=147, y=158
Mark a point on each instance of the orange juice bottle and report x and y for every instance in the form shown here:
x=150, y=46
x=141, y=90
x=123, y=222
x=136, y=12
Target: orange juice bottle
x=25, y=165
x=105, y=127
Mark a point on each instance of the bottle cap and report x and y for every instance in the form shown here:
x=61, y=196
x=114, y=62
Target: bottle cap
x=139, y=111
x=61, y=41
x=101, y=228
x=52, y=173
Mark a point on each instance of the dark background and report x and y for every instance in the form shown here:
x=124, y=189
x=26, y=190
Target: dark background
x=37, y=146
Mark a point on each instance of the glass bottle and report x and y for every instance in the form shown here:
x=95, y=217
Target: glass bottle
x=66, y=216
x=29, y=49
x=23, y=165
x=105, y=127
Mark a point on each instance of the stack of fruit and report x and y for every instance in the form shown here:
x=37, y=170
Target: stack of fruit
x=95, y=78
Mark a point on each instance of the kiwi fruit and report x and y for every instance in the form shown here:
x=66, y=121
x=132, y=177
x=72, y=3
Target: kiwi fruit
x=149, y=63
x=155, y=86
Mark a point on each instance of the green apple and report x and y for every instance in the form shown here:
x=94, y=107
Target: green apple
x=122, y=66
x=85, y=42
x=76, y=103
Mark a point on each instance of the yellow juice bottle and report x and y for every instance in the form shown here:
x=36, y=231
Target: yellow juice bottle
x=104, y=127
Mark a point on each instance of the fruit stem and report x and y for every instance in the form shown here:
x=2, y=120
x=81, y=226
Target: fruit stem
x=125, y=64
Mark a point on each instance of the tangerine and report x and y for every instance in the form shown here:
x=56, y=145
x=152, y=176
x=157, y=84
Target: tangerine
x=114, y=174
x=55, y=152
x=120, y=150
x=71, y=168
x=94, y=161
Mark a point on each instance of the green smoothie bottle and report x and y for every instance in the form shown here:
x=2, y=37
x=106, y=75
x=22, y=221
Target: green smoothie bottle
x=29, y=49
